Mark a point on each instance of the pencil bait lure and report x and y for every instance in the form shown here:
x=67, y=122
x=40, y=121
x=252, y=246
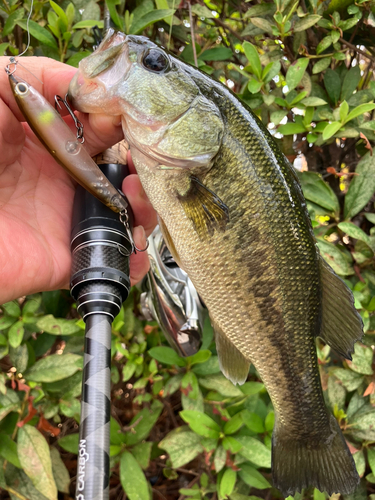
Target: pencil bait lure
x=59, y=140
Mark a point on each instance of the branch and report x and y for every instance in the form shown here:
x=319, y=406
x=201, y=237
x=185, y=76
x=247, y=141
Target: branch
x=351, y=46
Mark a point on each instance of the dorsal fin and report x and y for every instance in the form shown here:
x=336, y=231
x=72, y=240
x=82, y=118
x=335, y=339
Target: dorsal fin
x=341, y=326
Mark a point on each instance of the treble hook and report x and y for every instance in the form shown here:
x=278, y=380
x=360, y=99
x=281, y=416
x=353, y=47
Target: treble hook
x=77, y=123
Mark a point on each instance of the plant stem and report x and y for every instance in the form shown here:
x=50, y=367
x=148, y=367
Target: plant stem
x=192, y=35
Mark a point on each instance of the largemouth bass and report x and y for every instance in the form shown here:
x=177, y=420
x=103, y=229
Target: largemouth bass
x=234, y=218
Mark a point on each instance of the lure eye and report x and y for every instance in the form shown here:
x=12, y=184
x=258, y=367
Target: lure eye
x=156, y=61
x=22, y=88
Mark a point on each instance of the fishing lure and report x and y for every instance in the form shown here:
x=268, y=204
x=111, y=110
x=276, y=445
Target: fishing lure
x=59, y=140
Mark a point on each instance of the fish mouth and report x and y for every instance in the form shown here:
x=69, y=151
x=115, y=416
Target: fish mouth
x=99, y=71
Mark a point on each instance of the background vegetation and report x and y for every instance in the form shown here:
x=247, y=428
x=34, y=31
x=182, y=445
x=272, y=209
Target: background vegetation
x=179, y=429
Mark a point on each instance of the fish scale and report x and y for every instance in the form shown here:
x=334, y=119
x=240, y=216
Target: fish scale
x=233, y=216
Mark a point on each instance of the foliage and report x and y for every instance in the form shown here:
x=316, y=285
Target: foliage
x=305, y=68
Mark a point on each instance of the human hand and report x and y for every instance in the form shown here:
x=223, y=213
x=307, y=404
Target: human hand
x=36, y=194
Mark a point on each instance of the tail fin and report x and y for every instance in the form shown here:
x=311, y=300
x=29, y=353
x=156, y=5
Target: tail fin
x=327, y=465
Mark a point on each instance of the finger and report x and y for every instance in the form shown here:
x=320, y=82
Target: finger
x=144, y=214
x=101, y=131
x=12, y=135
x=139, y=262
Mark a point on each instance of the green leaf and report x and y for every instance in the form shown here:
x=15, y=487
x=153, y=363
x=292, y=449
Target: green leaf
x=6, y=322
x=324, y=44
x=182, y=446
x=344, y=109
x=350, y=82
x=362, y=360
x=11, y=22
x=360, y=462
x=199, y=10
x=253, y=478
x=69, y=443
x=350, y=380
x=132, y=478
x=295, y=72
x=318, y=495
x=8, y=450
x=88, y=23
x=142, y=453
x=35, y=459
x=362, y=423
x=335, y=258
x=19, y=357
x=313, y=101
x=371, y=458
x=201, y=423
x=354, y=231
x=319, y=192
x=253, y=421
x=235, y=423
x=39, y=33
x=255, y=451
x=55, y=367
x=262, y=24
x=15, y=334
x=6, y=409
x=361, y=187
x=220, y=458
x=227, y=483
x=250, y=388
x=111, y=4
x=306, y=22
x=150, y=18
x=91, y=11
x=75, y=59
x=332, y=83
x=231, y=444
x=216, y=54
x=128, y=370
x=359, y=110
x=146, y=419
x=254, y=86
x=59, y=326
x=12, y=309
x=270, y=72
x=59, y=11
x=331, y=130
x=349, y=23
x=253, y=57
x=199, y=357
x=321, y=65
x=270, y=421
x=260, y=10
x=277, y=116
x=292, y=128
x=220, y=384
x=3, y=47
x=60, y=472
x=167, y=356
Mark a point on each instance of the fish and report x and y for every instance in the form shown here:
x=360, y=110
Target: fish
x=52, y=131
x=233, y=215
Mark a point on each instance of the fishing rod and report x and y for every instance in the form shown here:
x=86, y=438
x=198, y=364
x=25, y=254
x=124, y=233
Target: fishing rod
x=100, y=283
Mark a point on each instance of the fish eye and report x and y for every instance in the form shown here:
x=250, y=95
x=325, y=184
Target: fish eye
x=155, y=60
x=22, y=88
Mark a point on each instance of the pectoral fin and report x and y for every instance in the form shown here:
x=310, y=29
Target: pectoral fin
x=232, y=363
x=204, y=208
x=341, y=324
